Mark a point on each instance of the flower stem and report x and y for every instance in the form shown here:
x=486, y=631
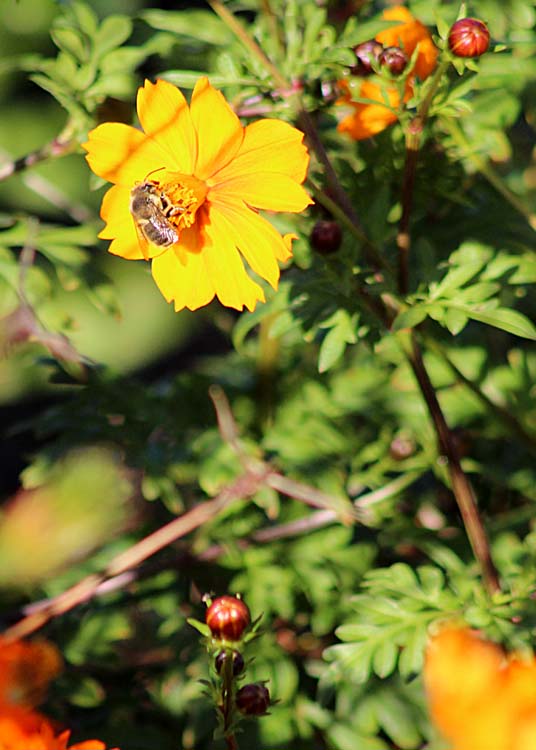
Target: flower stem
x=247, y=40
x=461, y=487
x=487, y=171
x=63, y=144
x=510, y=422
x=413, y=143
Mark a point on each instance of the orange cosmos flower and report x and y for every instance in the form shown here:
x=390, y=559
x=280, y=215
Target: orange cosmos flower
x=480, y=698
x=368, y=119
x=407, y=35
x=24, y=729
x=25, y=671
x=187, y=191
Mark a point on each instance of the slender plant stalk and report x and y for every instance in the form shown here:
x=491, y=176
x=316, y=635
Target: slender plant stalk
x=487, y=171
x=461, y=486
x=508, y=419
x=63, y=144
x=413, y=143
x=256, y=474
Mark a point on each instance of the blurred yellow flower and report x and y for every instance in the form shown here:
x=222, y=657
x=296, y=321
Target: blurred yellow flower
x=366, y=119
x=480, y=698
x=187, y=191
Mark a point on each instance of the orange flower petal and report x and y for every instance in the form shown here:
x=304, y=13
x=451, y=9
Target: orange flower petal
x=367, y=120
x=121, y=154
x=255, y=238
x=164, y=115
x=408, y=35
x=426, y=59
x=219, y=131
x=26, y=668
x=265, y=190
x=268, y=146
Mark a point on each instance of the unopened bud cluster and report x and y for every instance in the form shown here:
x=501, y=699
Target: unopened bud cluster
x=229, y=622
x=371, y=56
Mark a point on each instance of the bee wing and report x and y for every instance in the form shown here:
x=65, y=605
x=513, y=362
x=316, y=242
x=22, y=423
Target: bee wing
x=144, y=245
x=148, y=249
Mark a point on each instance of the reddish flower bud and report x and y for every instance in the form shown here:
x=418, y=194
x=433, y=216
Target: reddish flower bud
x=394, y=59
x=238, y=662
x=227, y=618
x=401, y=448
x=326, y=237
x=253, y=699
x=366, y=53
x=468, y=37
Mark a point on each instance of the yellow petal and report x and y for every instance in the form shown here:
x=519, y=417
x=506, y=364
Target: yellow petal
x=219, y=131
x=266, y=190
x=164, y=115
x=119, y=224
x=256, y=239
x=268, y=146
x=122, y=154
x=183, y=279
x=233, y=286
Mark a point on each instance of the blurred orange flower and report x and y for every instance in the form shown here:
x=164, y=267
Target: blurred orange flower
x=480, y=698
x=368, y=119
x=24, y=729
x=187, y=191
x=26, y=668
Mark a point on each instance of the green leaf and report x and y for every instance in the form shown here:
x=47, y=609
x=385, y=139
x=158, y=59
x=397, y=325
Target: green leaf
x=71, y=41
x=385, y=658
x=334, y=343
x=199, y=25
x=113, y=31
x=455, y=320
x=86, y=693
x=85, y=17
x=455, y=279
x=410, y=318
x=508, y=320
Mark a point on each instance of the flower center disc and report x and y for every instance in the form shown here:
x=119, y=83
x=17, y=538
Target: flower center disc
x=182, y=196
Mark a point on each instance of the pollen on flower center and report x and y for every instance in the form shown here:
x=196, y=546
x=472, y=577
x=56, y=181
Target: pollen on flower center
x=182, y=196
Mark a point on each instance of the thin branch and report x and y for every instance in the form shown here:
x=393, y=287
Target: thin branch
x=508, y=419
x=60, y=146
x=413, y=143
x=244, y=486
x=461, y=486
x=40, y=185
x=487, y=171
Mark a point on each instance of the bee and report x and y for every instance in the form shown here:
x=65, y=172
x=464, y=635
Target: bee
x=151, y=211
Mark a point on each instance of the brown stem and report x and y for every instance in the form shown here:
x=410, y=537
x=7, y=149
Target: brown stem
x=60, y=146
x=461, y=487
x=508, y=419
x=403, y=239
x=244, y=486
x=413, y=144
